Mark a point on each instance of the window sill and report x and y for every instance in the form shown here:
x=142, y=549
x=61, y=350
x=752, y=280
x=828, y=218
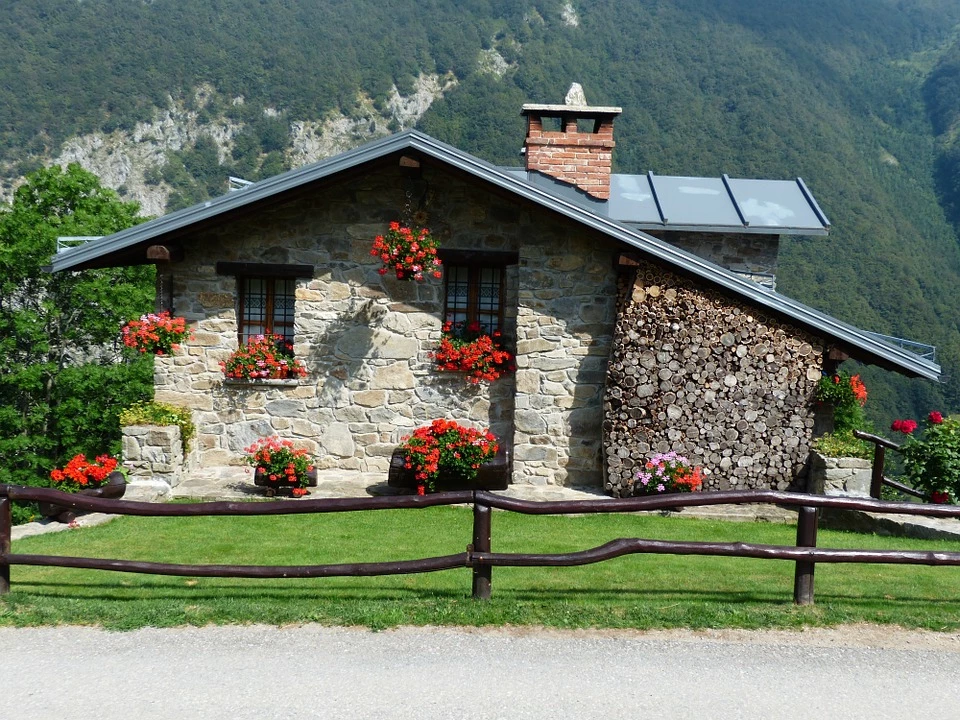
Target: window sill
x=261, y=382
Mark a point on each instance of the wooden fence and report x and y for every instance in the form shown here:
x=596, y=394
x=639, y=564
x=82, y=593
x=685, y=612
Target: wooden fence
x=478, y=554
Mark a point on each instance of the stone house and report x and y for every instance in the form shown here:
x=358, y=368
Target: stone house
x=640, y=308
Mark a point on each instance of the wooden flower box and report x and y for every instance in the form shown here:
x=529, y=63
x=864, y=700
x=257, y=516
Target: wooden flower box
x=492, y=475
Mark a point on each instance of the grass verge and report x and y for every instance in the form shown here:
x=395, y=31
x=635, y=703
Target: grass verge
x=643, y=591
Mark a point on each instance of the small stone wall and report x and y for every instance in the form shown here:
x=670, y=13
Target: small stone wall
x=839, y=476
x=153, y=456
x=713, y=379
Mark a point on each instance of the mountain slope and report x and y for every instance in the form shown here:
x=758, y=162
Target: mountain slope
x=855, y=96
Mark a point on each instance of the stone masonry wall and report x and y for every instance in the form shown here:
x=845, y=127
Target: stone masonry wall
x=713, y=379
x=751, y=255
x=365, y=338
x=564, y=331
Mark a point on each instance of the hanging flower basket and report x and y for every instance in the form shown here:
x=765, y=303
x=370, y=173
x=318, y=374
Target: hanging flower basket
x=158, y=334
x=410, y=253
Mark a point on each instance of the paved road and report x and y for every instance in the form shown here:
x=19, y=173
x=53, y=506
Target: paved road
x=302, y=672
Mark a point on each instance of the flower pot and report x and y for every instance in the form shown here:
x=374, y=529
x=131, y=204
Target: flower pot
x=113, y=489
x=492, y=475
x=280, y=487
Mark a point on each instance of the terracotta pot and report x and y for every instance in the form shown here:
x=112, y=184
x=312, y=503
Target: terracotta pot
x=113, y=489
x=492, y=475
x=277, y=487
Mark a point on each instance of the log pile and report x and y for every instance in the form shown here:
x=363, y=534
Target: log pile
x=711, y=378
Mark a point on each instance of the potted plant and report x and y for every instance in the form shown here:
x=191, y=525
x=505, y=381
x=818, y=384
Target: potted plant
x=264, y=358
x=931, y=463
x=445, y=455
x=99, y=478
x=667, y=473
x=468, y=349
x=409, y=253
x=159, y=334
x=280, y=467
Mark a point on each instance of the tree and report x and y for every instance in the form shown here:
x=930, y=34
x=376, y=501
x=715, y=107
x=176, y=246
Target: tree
x=58, y=332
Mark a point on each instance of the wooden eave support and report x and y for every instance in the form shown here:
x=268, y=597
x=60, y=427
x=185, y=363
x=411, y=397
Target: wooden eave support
x=165, y=253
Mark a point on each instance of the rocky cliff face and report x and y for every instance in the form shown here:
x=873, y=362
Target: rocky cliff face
x=129, y=161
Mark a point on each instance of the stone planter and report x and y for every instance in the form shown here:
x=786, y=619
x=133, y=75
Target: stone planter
x=274, y=487
x=114, y=488
x=848, y=477
x=492, y=475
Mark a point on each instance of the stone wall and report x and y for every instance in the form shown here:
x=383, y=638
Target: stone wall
x=696, y=372
x=153, y=456
x=839, y=476
x=365, y=338
x=564, y=330
x=750, y=255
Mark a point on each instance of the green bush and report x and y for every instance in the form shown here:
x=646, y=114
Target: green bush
x=842, y=443
x=157, y=413
x=932, y=463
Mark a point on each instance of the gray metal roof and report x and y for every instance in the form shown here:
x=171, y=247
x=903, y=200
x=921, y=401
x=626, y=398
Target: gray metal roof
x=700, y=204
x=857, y=343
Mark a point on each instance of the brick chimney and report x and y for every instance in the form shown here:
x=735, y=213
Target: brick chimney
x=581, y=158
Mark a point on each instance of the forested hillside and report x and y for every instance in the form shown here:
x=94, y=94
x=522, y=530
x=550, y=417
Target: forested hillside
x=861, y=98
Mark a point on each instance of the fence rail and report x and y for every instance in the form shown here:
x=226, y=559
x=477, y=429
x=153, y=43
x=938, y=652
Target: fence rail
x=478, y=554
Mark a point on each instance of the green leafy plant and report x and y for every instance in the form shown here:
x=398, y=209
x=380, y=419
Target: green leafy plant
x=157, y=413
x=932, y=462
x=843, y=444
x=446, y=448
x=847, y=394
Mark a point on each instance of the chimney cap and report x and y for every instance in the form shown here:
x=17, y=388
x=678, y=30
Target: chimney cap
x=574, y=103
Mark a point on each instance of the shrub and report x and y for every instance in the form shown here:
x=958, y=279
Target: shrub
x=156, y=413
x=932, y=462
x=843, y=444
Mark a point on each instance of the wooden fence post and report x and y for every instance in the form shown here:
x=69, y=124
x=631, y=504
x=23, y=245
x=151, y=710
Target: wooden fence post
x=6, y=533
x=876, y=479
x=803, y=573
x=482, y=574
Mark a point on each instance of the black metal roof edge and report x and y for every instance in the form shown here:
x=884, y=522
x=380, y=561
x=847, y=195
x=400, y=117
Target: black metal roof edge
x=805, y=316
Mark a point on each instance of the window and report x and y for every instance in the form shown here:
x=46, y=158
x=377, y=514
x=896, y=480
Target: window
x=266, y=296
x=265, y=307
x=475, y=294
x=474, y=287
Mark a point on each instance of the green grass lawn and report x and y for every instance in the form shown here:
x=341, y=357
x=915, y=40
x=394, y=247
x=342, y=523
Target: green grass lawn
x=640, y=591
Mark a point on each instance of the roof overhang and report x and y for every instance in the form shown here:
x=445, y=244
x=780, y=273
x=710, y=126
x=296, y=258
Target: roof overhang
x=111, y=250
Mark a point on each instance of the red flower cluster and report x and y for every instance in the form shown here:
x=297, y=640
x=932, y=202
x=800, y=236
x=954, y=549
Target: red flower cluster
x=935, y=418
x=79, y=473
x=446, y=447
x=905, y=426
x=280, y=462
x=157, y=334
x=264, y=358
x=858, y=389
x=940, y=497
x=410, y=253
x=470, y=350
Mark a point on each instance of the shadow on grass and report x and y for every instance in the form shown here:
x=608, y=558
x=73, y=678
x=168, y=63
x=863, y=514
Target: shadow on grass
x=207, y=591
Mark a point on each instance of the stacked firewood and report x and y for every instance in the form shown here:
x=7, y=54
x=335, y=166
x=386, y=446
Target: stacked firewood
x=696, y=372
